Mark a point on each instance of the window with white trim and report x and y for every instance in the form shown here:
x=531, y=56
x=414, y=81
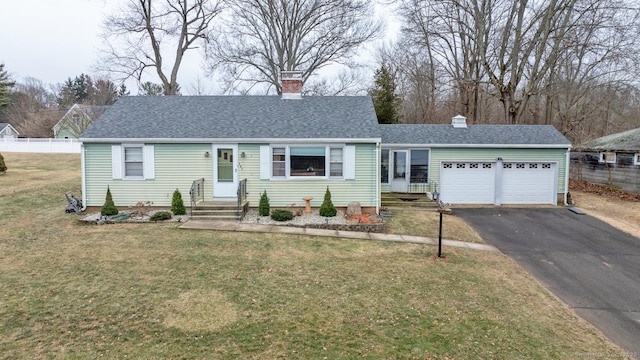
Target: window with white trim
x=286, y=162
x=636, y=159
x=608, y=157
x=133, y=162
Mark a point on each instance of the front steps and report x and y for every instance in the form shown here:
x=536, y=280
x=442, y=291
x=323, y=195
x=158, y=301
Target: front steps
x=217, y=210
x=404, y=200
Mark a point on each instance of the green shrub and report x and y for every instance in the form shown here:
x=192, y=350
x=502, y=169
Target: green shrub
x=160, y=215
x=3, y=166
x=109, y=208
x=281, y=215
x=263, y=207
x=327, y=209
x=177, y=205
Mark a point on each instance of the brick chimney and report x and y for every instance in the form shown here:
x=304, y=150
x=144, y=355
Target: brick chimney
x=291, y=84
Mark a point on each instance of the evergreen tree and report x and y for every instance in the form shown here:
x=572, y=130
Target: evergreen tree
x=5, y=86
x=385, y=100
x=177, y=205
x=327, y=209
x=109, y=208
x=3, y=166
x=263, y=207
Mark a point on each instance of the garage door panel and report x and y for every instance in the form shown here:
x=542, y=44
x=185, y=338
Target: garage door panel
x=528, y=183
x=467, y=183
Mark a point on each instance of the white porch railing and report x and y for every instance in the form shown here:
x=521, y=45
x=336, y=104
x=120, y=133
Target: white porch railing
x=38, y=145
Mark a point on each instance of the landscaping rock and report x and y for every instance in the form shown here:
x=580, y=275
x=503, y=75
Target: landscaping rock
x=354, y=208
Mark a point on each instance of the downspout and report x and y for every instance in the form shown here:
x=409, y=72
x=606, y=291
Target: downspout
x=84, y=177
x=566, y=176
x=377, y=167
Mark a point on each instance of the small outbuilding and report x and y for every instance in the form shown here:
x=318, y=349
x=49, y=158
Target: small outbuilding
x=8, y=132
x=612, y=160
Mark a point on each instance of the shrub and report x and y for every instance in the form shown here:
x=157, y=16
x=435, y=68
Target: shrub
x=3, y=166
x=281, y=215
x=109, y=208
x=160, y=215
x=177, y=205
x=327, y=209
x=263, y=207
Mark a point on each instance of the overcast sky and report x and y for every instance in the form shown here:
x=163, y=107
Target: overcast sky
x=53, y=40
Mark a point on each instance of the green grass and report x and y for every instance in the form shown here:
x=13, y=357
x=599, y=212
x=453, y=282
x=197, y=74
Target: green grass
x=154, y=291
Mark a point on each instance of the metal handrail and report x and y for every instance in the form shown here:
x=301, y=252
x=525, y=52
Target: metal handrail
x=196, y=192
x=242, y=197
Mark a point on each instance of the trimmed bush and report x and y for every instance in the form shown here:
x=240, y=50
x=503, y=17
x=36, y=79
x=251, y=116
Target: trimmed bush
x=327, y=209
x=160, y=215
x=3, y=166
x=263, y=207
x=281, y=215
x=109, y=208
x=177, y=205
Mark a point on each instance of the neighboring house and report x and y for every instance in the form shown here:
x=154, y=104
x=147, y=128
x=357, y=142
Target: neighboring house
x=7, y=131
x=143, y=148
x=76, y=120
x=476, y=164
x=612, y=160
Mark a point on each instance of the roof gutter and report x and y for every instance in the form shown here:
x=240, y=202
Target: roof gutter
x=231, y=140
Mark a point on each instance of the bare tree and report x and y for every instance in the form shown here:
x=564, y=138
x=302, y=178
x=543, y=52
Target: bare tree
x=144, y=31
x=263, y=37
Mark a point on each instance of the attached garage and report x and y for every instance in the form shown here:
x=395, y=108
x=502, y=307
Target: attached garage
x=487, y=164
x=517, y=182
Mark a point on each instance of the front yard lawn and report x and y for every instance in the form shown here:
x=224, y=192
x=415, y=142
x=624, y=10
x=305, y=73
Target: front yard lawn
x=69, y=290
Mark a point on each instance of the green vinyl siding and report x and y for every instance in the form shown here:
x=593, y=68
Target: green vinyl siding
x=291, y=191
x=176, y=167
x=491, y=154
x=66, y=132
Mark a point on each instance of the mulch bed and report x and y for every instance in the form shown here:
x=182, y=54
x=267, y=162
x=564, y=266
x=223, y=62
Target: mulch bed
x=602, y=190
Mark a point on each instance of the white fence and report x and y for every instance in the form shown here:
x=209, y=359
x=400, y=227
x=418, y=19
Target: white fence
x=34, y=145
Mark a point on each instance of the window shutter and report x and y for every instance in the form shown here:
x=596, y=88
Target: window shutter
x=148, y=162
x=265, y=162
x=116, y=161
x=350, y=162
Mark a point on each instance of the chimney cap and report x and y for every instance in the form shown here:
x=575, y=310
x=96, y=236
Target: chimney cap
x=459, y=121
x=291, y=74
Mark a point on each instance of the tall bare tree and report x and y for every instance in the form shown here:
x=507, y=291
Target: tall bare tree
x=263, y=37
x=141, y=34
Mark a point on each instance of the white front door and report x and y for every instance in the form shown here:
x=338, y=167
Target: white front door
x=399, y=171
x=225, y=172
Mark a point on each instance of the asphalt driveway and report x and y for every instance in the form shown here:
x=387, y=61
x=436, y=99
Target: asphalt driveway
x=590, y=265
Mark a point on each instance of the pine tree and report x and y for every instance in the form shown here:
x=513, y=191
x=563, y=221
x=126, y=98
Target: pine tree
x=263, y=207
x=385, y=100
x=5, y=86
x=327, y=209
x=109, y=208
x=177, y=205
x=3, y=166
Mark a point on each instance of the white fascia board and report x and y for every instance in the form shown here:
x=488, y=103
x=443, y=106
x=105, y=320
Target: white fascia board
x=231, y=140
x=504, y=146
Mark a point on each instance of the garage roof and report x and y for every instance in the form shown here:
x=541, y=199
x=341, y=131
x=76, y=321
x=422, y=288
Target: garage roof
x=444, y=134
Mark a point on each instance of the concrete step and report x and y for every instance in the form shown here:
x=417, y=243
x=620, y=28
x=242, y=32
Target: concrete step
x=215, y=217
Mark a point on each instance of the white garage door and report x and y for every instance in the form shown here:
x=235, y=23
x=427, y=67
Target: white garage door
x=467, y=182
x=528, y=183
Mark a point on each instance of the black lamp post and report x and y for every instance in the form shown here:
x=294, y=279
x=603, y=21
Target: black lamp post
x=441, y=205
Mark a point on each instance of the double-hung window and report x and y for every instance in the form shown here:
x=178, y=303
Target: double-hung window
x=336, y=162
x=608, y=157
x=133, y=165
x=133, y=162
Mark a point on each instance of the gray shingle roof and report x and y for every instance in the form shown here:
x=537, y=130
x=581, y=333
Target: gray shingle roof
x=623, y=141
x=436, y=134
x=236, y=117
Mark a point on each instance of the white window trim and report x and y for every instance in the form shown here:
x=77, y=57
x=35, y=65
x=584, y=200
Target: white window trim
x=602, y=157
x=118, y=162
x=348, y=162
x=636, y=159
